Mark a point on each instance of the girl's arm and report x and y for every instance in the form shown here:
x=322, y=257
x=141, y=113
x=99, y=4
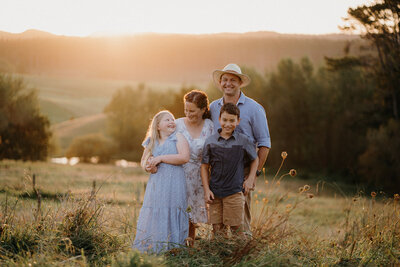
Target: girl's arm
x=175, y=159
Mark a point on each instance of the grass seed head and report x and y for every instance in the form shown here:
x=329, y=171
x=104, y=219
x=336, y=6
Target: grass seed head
x=284, y=154
x=293, y=172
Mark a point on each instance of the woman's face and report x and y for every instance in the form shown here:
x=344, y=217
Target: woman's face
x=193, y=113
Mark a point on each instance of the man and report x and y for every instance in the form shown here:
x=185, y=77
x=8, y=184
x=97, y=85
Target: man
x=253, y=121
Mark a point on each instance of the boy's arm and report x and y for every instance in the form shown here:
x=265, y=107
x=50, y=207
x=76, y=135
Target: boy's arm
x=205, y=175
x=249, y=183
x=182, y=157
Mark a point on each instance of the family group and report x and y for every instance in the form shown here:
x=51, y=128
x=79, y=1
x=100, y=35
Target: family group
x=203, y=166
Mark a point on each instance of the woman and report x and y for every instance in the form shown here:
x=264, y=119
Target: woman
x=196, y=127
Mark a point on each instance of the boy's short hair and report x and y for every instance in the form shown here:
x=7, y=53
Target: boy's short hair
x=230, y=109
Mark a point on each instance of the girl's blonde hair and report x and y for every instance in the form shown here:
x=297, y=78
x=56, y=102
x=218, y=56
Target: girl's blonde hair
x=153, y=135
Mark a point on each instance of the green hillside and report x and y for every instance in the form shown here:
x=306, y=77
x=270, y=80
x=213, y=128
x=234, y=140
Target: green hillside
x=62, y=98
x=66, y=131
x=55, y=112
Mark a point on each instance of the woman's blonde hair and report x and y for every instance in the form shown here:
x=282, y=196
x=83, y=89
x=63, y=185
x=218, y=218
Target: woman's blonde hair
x=153, y=135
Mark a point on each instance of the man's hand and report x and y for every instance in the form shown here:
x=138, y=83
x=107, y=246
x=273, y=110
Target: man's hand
x=208, y=196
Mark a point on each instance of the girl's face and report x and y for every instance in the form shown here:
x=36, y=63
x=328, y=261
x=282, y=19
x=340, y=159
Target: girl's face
x=193, y=113
x=167, y=124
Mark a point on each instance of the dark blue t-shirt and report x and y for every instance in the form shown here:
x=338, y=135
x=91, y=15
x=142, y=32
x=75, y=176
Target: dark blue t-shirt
x=227, y=158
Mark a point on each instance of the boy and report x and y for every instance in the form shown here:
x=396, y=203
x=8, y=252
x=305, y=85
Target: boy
x=227, y=153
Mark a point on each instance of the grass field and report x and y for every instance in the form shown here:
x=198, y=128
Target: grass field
x=295, y=223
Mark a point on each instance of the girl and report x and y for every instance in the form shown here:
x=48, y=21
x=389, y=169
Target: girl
x=163, y=221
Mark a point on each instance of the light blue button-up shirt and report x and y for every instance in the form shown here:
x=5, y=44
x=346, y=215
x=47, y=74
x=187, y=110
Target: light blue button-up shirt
x=253, y=121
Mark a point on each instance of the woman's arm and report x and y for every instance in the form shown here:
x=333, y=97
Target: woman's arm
x=205, y=176
x=176, y=159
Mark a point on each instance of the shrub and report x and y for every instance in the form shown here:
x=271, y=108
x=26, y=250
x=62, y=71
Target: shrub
x=92, y=145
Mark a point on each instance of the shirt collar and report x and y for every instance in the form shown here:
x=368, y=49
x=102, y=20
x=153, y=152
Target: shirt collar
x=234, y=135
x=241, y=100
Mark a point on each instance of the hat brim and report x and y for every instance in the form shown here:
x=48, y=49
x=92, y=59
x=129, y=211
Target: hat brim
x=243, y=77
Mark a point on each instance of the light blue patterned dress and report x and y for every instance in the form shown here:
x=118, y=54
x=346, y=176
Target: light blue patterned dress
x=163, y=220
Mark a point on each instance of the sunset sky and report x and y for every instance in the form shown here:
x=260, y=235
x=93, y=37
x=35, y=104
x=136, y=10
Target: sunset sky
x=86, y=17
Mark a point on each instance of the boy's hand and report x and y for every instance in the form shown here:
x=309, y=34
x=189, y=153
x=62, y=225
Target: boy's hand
x=208, y=196
x=248, y=185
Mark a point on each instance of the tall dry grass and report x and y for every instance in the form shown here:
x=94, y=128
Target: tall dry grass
x=88, y=227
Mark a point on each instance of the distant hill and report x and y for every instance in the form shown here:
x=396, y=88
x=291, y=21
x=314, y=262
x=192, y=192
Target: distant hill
x=176, y=58
x=28, y=34
x=63, y=98
x=66, y=131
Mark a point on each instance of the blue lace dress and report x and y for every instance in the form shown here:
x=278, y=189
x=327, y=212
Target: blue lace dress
x=163, y=220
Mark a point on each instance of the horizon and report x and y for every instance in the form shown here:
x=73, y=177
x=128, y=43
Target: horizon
x=105, y=34
x=125, y=17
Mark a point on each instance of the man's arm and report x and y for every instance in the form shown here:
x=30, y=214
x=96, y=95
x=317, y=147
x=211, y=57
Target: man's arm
x=263, y=152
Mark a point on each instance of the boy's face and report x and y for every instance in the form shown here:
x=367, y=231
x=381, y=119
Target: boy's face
x=228, y=122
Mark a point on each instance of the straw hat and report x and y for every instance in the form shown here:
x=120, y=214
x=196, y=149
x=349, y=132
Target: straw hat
x=232, y=69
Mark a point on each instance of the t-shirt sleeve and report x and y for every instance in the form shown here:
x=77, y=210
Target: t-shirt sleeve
x=206, y=153
x=261, y=132
x=250, y=148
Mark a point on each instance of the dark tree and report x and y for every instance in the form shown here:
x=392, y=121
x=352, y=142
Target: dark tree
x=24, y=131
x=379, y=23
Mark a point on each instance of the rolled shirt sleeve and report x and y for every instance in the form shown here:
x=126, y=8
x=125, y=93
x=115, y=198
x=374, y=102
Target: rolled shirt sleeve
x=260, y=127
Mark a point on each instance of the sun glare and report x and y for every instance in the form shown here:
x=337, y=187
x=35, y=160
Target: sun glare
x=82, y=18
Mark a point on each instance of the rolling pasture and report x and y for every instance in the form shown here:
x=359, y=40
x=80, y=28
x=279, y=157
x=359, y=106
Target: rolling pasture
x=75, y=106
x=86, y=214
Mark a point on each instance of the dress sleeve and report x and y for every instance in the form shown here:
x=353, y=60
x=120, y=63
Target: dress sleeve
x=178, y=123
x=146, y=142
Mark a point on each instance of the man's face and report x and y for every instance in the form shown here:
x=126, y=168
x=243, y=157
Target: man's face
x=230, y=84
x=228, y=122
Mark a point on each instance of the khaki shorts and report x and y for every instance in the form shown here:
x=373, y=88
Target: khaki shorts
x=227, y=210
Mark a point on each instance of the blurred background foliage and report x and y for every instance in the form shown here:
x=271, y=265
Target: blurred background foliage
x=339, y=118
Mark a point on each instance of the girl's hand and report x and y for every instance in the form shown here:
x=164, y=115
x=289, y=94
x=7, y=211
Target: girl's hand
x=147, y=167
x=150, y=169
x=155, y=161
